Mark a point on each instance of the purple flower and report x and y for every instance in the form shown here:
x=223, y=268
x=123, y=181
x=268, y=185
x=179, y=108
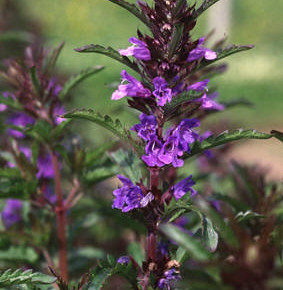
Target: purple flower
x=58, y=110
x=133, y=88
x=11, y=213
x=49, y=194
x=185, y=134
x=139, y=50
x=162, y=92
x=20, y=120
x=54, y=87
x=182, y=187
x=152, y=149
x=208, y=102
x=45, y=166
x=124, y=260
x=130, y=196
x=199, y=86
x=170, y=152
x=147, y=127
x=200, y=52
x=169, y=275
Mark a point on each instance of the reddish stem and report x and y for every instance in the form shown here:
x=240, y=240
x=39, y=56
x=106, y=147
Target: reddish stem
x=61, y=220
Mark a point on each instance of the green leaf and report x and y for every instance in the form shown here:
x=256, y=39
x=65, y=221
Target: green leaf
x=110, y=52
x=35, y=80
x=176, y=38
x=17, y=188
x=18, y=277
x=16, y=36
x=210, y=235
x=59, y=129
x=181, y=255
x=96, y=175
x=278, y=135
x=190, y=244
x=50, y=65
x=128, y=164
x=41, y=131
x=133, y=9
x=235, y=203
x=224, y=138
x=245, y=216
x=76, y=79
x=135, y=250
x=203, y=7
x=105, y=121
x=10, y=102
x=98, y=277
x=10, y=173
x=19, y=253
x=223, y=53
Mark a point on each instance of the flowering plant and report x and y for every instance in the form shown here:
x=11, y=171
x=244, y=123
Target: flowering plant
x=195, y=237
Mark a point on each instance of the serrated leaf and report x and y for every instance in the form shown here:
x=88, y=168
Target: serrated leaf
x=96, y=175
x=203, y=7
x=19, y=276
x=223, y=53
x=105, y=121
x=128, y=164
x=224, y=138
x=73, y=81
x=190, y=244
x=278, y=135
x=98, y=278
x=133, y=9
x=110, y=52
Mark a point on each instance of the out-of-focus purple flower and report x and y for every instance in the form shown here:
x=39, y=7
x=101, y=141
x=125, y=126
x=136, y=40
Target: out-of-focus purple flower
x=11, y=213
x=49, y=194
x=152, y=149
x=185, y=134
x=20, y=120
x=45, y=167
x=124, y=260
x=200, y=52
x=182, y=187
x=147, y=127
x=130, y=196
x=163, y=248
x=169, y=275
x=208, y=102
x=139, y=50
x=133, y=88
x=58, y=110
x=26, y=151
x=162, y=92
x=54, y=87
x=199, y=86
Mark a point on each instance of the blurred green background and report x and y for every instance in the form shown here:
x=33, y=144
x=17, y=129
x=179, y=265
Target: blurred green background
x=256, y=74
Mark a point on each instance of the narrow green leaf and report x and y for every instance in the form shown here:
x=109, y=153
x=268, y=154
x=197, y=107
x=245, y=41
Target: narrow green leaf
x=17, y=188
x=110, y=52
x=10, y=102
x=224, y=138
x=16, y=36
x=19, y=253
x=76, y=79
x=50, y=65
x=34, y=79
x=133, y=9
x=203, y=7
x=191, y=245
x=105, y=121
x=41, y=131
x=135, y=250
x=278, y=135
x=175, y=41
x=223, y=53
x=97, y=175
x=59, y=129
x=181, y=255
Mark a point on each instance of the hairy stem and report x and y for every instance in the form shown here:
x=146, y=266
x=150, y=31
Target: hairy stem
x=61, y=220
